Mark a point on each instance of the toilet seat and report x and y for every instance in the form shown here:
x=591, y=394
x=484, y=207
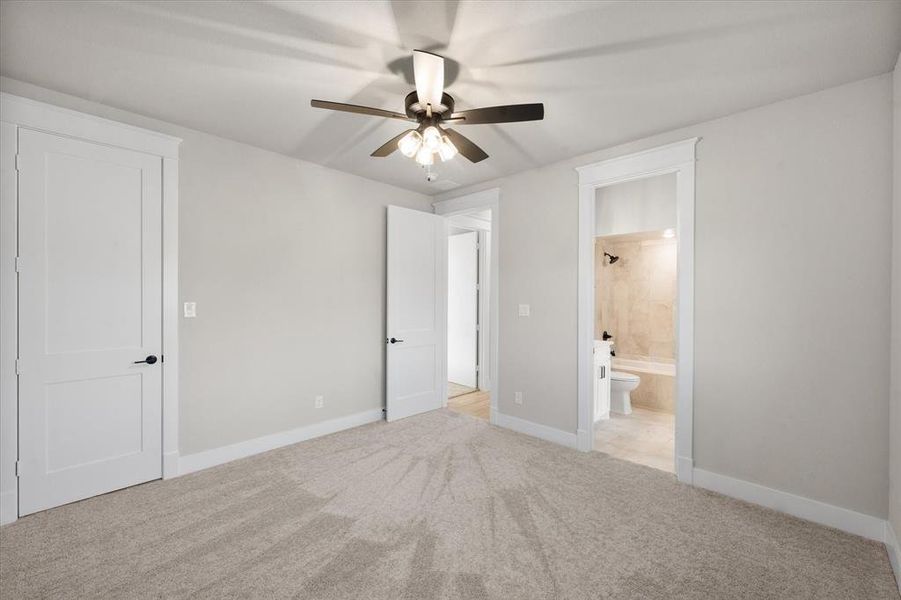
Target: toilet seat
x=622, y=376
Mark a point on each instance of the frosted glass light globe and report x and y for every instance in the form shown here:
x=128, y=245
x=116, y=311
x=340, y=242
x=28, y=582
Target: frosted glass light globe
x=409, y=144
x=431, y=138
x=424, y=156
x=446, y=150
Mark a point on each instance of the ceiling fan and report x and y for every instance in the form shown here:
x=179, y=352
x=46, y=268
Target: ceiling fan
x=431, y=107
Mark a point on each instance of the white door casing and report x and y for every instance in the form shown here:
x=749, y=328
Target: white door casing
x=462, y=308
x=678, y=158
x=416, y=362
x=485, y=373
x=453, y=208
x=90, y=305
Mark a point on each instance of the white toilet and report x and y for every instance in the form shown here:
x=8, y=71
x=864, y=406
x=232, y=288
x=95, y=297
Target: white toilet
x=621, y=385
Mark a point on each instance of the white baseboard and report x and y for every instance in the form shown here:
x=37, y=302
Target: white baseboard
x=170, y=465
x=9, y=507
x=557, y=436
x=805, y=508
x=685, y=467
x=894, y=552
x=584, y=440
x=217, y=456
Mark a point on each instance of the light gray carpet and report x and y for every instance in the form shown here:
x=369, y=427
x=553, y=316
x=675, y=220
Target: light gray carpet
x=436, y=506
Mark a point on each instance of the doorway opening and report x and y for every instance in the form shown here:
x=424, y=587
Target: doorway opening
x=468, y=315
x=595, y=382
x=635, y=300
x=475, y=215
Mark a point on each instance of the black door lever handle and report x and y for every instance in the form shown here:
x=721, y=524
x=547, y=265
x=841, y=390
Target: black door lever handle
x=149, y=360
x=394, y=340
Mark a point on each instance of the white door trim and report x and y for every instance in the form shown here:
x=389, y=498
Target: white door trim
x=485, y=375
x=23, y=113
x=678, y=158
x=464, y=204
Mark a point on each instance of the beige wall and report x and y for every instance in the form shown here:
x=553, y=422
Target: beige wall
x=635, y=296
x=793, y=223
x=635, y=303
x=895, y=400
x=286, y=261
x=655, y=392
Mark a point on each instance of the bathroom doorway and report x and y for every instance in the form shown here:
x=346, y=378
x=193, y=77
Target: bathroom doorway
x=635, y=299
x=636, y=273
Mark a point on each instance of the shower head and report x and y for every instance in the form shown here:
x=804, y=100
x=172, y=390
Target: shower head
x=611, y=258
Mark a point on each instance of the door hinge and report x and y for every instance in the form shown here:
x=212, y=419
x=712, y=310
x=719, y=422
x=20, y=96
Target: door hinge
x=18, y=366
x=18, y=264
x=478, y=368
x=18, y=162
x=18, y=468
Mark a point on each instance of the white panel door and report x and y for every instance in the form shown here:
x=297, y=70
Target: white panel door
x=416, y=313
x=89, y=307
x=462, y=308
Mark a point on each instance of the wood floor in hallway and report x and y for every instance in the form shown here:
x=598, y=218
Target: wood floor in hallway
x=475, y=404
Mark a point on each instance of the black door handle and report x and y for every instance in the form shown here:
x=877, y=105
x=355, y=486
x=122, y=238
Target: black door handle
x=149, y=360
x=394, y=340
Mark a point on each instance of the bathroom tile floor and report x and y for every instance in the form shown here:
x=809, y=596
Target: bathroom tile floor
x=645, y=437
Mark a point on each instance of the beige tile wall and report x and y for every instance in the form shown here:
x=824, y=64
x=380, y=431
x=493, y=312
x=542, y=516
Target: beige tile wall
x=635, y=302
x=635, y=297
x=655, y=392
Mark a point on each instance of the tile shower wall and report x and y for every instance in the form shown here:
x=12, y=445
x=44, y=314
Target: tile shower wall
x=635, y=302
x=655, y=392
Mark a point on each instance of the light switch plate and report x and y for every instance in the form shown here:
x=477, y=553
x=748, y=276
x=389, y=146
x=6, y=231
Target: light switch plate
x=190, y=310
x=523, y=310
x=517, y=397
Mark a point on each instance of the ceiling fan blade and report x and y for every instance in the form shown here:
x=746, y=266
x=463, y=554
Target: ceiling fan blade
x=389, y=146
x=360, y=110
x=428, y=72
x=466, y=147
x=510, y=113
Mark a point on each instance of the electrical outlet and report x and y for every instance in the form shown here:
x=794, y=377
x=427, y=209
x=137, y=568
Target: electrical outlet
x=517, y=397
x=524, y=310
x=190, y=310
x=319, y=401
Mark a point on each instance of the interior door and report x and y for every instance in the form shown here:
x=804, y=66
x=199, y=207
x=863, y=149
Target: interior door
x=416, y=379
x=462, y=308
x=90, y=307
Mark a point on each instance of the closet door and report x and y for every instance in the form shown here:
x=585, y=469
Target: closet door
x=90, y=319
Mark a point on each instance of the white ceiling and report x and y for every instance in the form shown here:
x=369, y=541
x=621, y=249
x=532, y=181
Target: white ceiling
x=608, y=72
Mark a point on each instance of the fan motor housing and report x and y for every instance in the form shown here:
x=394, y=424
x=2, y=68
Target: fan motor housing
x=414, y=110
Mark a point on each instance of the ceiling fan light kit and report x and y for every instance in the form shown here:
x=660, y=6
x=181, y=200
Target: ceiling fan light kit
x=447, y=150
x=430, y=106
x=410, y=143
